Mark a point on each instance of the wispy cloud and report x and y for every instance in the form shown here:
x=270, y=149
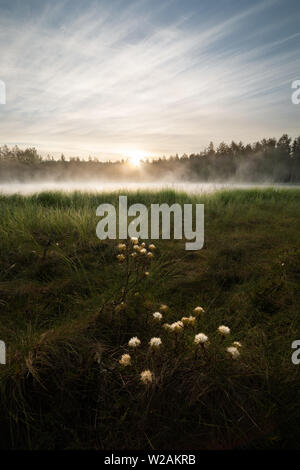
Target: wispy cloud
x=113, y=80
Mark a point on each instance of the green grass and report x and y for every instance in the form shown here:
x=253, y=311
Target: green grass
x=57, y=284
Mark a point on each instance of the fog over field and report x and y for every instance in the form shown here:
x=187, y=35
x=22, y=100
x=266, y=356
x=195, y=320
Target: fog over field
x=109, y=186
x=269, y=161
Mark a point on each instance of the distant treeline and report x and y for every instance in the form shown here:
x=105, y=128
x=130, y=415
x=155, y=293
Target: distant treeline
x=268, y=160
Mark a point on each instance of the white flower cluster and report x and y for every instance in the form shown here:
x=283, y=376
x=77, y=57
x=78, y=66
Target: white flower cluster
x=142, y=249
x=125, y=360
x=157, y=316
x=200, y=338
x=134, y=342
x=199, y=310
x=155, y=343
x=133, y=249
x=234, y=352
x=147, y=377
x=188, y=320
x=177, y=326
x=224, y=330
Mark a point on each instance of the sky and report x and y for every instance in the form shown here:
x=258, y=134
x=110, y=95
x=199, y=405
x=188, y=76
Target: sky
x=118, y=78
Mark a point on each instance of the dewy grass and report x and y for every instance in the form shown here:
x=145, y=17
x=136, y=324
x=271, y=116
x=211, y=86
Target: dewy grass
x=69, y=309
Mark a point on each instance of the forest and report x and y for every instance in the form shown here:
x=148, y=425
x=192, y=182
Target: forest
x=268, y=160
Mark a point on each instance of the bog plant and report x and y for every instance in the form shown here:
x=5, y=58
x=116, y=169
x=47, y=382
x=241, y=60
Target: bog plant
x=183, y=339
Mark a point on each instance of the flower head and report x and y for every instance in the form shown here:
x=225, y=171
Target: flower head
x=176, y=326
x=121, y=258
x=163, y=308
x=137, y=248
x=166, y=326
x=143, y=251
x=198, y=310
x=200, y=338
x=188, y=320
x=134, y=342
x=134, y=240
x=146, y=274
x=134, y=254
x=237, y=344
x=224, y=330
x=155, y=343
x=143, y=245
x=152, y=247
x=157, y=316
x=125, y=360
x=150, y=255
x=234, y=352
x=146, y=377
x=121, y=247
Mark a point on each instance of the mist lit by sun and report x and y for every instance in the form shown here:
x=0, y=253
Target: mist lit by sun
x=135, y=157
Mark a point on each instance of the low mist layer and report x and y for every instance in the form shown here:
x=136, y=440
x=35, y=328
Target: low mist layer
x=267, y=161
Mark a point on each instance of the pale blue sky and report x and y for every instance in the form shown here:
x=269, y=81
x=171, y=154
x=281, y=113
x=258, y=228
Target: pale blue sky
x=111, y=78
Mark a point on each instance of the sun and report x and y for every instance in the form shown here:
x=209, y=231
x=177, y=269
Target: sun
x=135, y=157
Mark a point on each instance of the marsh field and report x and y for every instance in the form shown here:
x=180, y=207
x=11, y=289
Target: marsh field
x=69, y=307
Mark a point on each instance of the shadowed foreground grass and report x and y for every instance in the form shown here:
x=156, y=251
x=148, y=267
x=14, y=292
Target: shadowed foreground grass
x=63, y=386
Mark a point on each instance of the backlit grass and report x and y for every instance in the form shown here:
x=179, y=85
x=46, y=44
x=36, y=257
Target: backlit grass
x=63, y=385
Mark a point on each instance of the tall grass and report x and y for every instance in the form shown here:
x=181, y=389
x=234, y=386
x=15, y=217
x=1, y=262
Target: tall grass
x=63, y=386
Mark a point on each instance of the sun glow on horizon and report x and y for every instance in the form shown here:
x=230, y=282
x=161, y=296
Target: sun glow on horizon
x=135, y=157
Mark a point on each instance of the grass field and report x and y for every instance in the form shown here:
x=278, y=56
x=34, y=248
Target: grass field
x=60, y=297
